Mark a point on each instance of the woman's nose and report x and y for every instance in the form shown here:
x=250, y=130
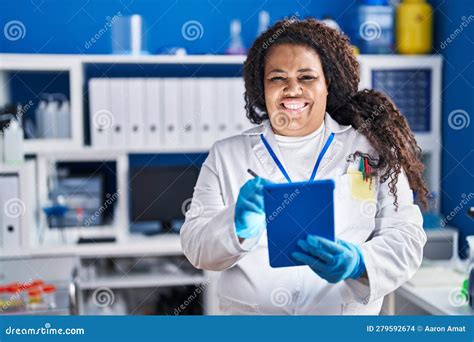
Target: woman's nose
x=293, y=88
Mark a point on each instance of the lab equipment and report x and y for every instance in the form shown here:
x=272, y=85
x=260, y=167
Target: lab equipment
x=13, y=150
x=128, y=35
x=374, y=30
x=158, y=196
x=49, y=295
x=305, y=208
x=236, y=46
x=411, y=92
x=331, y=260
x=263, y=22
x=53, y=117
x=470, y=271
x=414, y=27
x=249, y=216
x=12, y=208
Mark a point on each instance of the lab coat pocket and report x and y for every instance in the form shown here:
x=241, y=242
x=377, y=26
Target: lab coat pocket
x=354, y=209
x=231, y=306
x=361, y=189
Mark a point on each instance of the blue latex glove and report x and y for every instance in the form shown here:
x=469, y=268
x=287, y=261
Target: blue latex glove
x=333, y=261
x=249, y=216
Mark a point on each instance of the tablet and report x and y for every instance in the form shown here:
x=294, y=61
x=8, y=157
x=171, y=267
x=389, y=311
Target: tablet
x=294, y=210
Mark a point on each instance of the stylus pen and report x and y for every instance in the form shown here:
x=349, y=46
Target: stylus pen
x=252, y=173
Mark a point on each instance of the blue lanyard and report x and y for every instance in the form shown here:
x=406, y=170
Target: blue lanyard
x=280, y=165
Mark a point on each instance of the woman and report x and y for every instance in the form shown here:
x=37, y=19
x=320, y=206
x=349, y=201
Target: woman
x=301, y=80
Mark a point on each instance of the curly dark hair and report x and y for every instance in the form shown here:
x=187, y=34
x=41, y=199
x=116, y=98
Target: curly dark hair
x=371, y=112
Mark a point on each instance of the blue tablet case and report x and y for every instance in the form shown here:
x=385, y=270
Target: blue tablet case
x=294, y=210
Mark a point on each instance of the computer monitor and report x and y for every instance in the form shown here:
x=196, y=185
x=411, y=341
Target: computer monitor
x=157, y=194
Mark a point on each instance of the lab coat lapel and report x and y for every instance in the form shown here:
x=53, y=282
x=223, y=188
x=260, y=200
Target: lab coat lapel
x=273, y=173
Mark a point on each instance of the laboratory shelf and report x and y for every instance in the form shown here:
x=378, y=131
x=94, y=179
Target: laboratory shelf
x=140, y=245
x=141, y=281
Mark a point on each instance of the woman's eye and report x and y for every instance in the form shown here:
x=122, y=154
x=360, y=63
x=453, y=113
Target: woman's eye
x=277, y=79
x=307, y=78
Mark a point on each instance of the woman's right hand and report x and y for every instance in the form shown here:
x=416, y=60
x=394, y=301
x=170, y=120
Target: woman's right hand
x=249, y=216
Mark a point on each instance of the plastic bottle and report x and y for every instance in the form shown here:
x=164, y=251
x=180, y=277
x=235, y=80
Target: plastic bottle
x=64, y=120
x=39, y=118
x=13, y=152
x=263, y=22
x=49, y=295
x=236, y=47
x=374, y=29
x=414, y=27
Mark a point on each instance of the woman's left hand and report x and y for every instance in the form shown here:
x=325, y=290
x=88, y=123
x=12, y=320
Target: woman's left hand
x=333, y=261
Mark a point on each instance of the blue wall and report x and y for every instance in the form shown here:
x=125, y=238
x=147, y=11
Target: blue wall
x=458, y=94
x=64, y=26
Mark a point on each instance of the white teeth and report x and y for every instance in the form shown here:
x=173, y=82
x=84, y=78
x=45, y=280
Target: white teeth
x=294, y=106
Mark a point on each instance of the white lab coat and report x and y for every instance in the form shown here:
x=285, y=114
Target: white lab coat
x=391, y=241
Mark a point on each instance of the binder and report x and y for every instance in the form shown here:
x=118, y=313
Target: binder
x=118, y=108
x=223, y=110
x=241, y=122
x=153, y=122
x=136, y=112
x=12, y=211
x=207, y=129
x=189, y=113
x=99, y=111
x=172, y=103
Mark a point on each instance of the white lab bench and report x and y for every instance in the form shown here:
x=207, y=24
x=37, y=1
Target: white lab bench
x=442, y=297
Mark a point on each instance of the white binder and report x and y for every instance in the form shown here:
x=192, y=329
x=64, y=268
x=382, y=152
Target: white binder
x=136, y=112
x=207, y=130
x=241, y=122
x=224, y=108
x=101, y=117
x=118, y=107
x=12, y=209
x=189, y=113
x=153, y=111
x=172, y=104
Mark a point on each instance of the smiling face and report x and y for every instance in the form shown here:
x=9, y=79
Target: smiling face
x=295, y=89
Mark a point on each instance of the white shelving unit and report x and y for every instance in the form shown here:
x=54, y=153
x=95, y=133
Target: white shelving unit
x=75, y=149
